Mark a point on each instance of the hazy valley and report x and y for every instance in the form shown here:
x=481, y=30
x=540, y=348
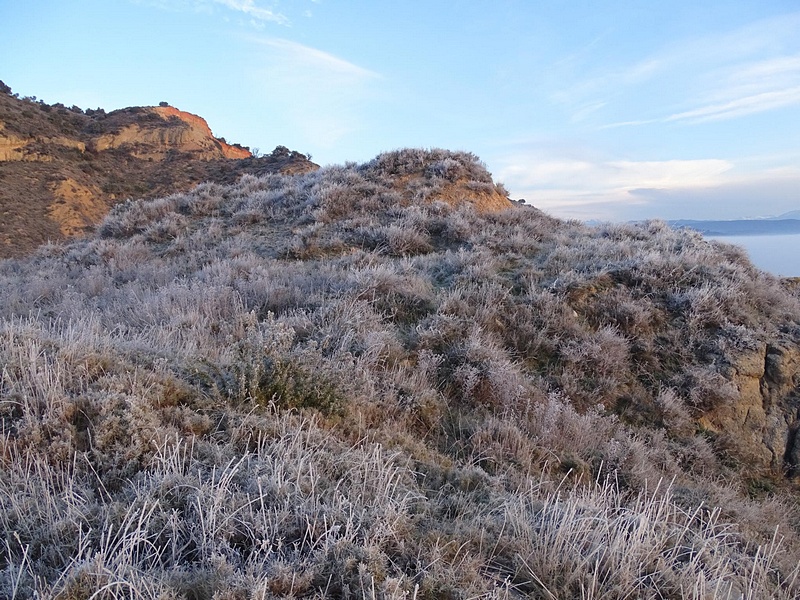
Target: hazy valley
x=773, y=244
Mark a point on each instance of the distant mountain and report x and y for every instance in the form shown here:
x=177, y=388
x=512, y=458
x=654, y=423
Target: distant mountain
x=793, y=214
x=61, y=169
x=782, y=225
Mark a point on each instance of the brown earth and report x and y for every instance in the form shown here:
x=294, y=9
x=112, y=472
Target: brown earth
x=760, y=421
x=62, y=169
x=485, y=197
x=77, y=207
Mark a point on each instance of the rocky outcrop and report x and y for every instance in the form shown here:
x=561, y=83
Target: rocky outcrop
x=178, y=131
x=201, y=130
x=759, y=422
x=11, y=146
x=14, y=147
x=780, y=391
x=145, y=138
x=62, y=169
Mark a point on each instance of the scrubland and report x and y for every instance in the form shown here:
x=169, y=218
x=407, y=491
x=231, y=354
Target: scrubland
x=338, y=384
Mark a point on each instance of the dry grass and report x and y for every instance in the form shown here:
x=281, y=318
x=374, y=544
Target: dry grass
x=58, y=186
x=320, y=386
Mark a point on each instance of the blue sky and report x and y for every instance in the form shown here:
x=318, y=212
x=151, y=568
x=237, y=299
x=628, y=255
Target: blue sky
x=592, y=110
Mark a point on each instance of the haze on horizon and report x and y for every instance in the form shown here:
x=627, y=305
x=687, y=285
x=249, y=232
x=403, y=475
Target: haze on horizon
x=612, y=111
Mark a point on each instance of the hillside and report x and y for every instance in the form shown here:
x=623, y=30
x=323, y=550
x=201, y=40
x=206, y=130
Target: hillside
x=62, y=169
x=387, y=380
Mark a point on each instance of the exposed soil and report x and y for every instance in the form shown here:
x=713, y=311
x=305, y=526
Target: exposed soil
x=62, y=169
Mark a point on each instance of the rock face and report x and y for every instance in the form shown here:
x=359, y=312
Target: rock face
x=132, y=129
x=780, y=392
x=178, y=131
x=198, y=124
x=11, y=146
x=15, y=148
x=61, y=169
x=759, y=419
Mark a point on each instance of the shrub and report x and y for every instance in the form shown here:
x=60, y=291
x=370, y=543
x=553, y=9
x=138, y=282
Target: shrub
x=327, y=385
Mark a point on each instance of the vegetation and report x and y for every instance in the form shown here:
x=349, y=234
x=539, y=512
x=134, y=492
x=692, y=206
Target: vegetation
x=46, y=150
x=336, y=384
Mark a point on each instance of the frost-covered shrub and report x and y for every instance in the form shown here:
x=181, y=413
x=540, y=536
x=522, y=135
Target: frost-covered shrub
x=336, y=384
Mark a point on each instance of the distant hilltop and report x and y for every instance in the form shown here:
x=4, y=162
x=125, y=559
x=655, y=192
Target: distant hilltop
x=62, y=168
x=174, y=131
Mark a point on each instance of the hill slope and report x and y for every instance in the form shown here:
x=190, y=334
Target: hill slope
x=62, y=169
x=386, y=381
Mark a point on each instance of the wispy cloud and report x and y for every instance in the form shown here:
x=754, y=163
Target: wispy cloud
x=251, y=9
x=257, y=12
x=305, y=57
x=747, y=88
x=576, y=187
x=584, y=111
x=616, y=176
x=320, y=94
x=739, y=107
x=597, y=90
x=721, y=76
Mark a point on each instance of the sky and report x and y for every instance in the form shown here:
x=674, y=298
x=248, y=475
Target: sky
x=590, y=110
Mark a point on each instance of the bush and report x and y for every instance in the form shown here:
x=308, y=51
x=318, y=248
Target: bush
x=333, y=384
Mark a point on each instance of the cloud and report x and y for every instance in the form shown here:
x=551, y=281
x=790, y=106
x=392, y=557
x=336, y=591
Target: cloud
x=721, y=76
x=322, y=95
x=739, y=107
x=610, y=176
x=251, y=9
x=748, y=88
x=769, y=69
x=725, y=76
x=584, y=111
x=744, y=196
x=608, y=82
x=305, y=58
x=589, y=188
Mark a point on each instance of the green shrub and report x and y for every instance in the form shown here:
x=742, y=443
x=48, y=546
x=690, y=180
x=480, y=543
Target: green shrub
x=288, y=385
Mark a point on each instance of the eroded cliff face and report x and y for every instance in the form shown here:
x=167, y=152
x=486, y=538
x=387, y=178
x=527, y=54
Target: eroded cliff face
x=780, y=392
x=199, y=125
x=62, y=169
x=134, y=130
x=15, y=147
x=177, y=131
x=11, y=146
x=759, y=422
